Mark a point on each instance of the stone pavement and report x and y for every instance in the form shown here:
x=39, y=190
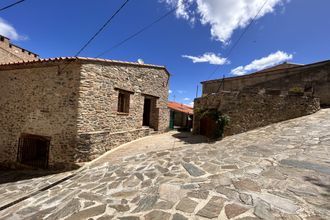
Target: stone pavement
x=281, y=171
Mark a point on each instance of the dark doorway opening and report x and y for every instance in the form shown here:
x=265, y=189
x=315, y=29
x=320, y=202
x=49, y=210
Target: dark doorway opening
x=33, y=151
x=146, y=112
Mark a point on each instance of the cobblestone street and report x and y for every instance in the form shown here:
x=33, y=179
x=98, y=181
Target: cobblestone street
x=281, y=171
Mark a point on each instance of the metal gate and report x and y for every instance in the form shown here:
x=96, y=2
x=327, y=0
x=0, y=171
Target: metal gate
x=33, y=151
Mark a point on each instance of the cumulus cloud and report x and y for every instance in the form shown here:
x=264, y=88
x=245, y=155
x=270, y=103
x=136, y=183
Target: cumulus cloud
x=9, y=31
x=186, y=99
x=210, y=58
x=262, y=63
x=191, y=104
x=169, y=91
x=223, y=16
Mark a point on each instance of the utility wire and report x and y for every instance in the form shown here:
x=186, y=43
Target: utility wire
x=11, y=5
x=102, y=28
x=240, y=38
x=97, y=33
x=139, y=32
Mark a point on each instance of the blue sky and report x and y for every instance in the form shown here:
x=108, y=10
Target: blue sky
x=202, y=31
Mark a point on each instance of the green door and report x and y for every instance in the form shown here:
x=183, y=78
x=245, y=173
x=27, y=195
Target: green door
x=172, y=119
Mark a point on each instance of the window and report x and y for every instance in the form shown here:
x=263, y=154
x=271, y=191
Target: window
x=123, y=102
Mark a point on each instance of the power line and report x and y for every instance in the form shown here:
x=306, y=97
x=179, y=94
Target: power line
x=11, y=5
x=102, y=28
x=139, y=32
x=97, y=33
x=240, y=37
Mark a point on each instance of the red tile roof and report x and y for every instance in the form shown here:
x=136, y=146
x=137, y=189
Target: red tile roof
x=180, y=107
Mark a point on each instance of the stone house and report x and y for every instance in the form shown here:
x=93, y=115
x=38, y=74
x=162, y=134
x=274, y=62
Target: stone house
x=275, y=94
x=311, y=78
x=181, y=115
x=62, y=111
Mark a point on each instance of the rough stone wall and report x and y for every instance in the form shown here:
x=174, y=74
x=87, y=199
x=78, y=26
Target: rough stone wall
x=317, y=76
x=248, y=110
x=12, y=53
x=42, y=101
x=99, y=99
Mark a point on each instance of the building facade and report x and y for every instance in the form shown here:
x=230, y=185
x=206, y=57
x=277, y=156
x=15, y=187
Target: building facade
x=312, y=78
x=275, y=94
x=62, y=111
x=13, y=53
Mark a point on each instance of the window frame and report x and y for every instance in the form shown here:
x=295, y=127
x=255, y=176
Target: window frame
x=123, y=101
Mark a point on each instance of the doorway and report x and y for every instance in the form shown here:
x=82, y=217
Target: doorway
x=146, y=112
x=33, y=151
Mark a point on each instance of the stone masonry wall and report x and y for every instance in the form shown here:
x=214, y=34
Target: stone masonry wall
x=39, y=100
x=12, y=53
x=317, y=76
x=98, y=101
x=248, y=110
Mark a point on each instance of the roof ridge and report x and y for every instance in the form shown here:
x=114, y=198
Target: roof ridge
x=40, y=60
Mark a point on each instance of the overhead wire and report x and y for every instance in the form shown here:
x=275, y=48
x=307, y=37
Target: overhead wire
x=11, y=5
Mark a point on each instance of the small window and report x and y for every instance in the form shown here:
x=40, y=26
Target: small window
x=123, y=102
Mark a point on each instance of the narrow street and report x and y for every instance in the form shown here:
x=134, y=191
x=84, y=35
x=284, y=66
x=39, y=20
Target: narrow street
x=278, y=171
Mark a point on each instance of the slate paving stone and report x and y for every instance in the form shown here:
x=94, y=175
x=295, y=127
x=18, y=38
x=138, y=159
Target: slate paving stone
x=193, y=170
x=263, y=211
x=105, y=217
x=91, y=196
x=120, y=207
x=198, y=194
x=70, y=208
x=178, y=216
x=157, y=215
x=125, y=194
x=164, y=205
x=146, y=203
x=129, y=218
x=213, y=208
x=186, y=205
x=87, y=213
x=307, y=165
x=229, y=167
x=146, y=183
x=229, y=193
x=246, y=199
x=247, y=185
x=220, y=179
x=233, y=210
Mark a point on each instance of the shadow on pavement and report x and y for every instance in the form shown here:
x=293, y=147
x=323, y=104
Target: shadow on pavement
x=189, y=138
x=8, y=176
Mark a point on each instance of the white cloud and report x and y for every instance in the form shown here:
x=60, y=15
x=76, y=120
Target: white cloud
x=186, y=99
x=169, y=91
x=181, y=91
x=9, y=31
x=210, y=58
x=191, y=104
x=259, y=64
x=223, y=16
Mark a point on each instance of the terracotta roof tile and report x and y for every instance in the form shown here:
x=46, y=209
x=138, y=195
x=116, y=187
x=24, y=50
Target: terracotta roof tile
x=181, y=107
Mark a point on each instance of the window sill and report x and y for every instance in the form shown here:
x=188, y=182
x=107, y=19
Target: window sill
x=122, y=113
